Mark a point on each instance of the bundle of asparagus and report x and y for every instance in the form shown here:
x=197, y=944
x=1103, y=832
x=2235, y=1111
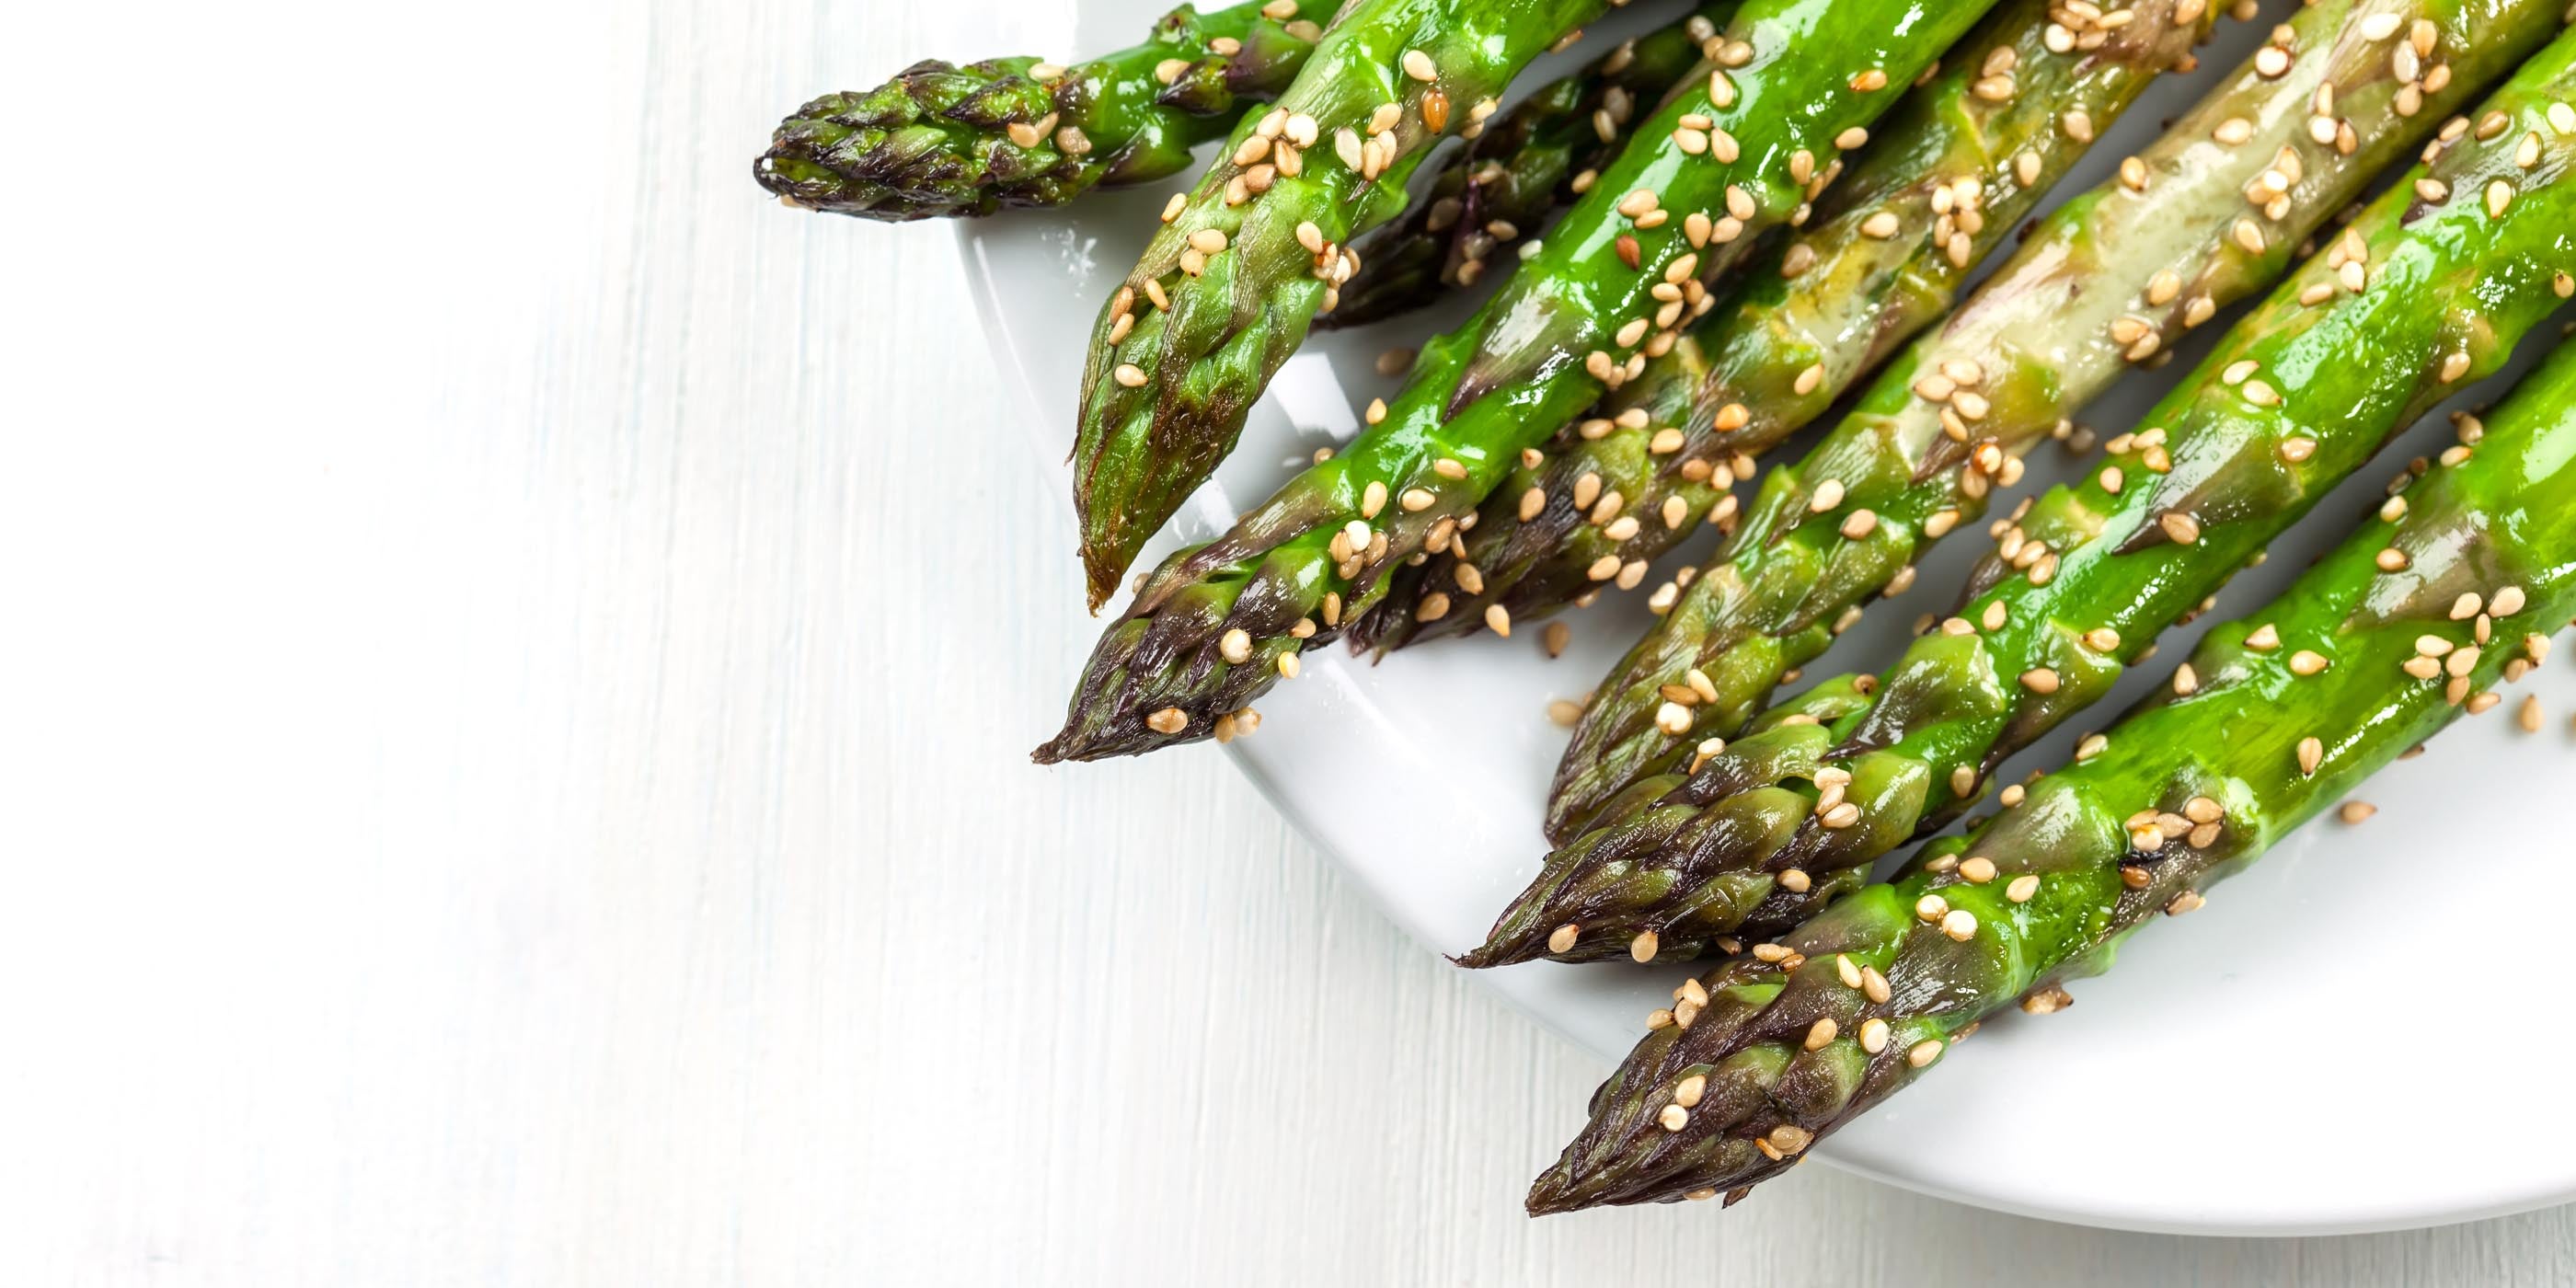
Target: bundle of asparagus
x=2432, y=286
x=1762, y=204
x=2381, y=645
x=2209, y=215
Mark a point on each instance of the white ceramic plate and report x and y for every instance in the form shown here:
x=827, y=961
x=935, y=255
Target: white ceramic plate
x=2301, y=1057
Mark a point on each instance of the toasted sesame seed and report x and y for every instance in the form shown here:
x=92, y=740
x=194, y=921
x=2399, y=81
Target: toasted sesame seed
x=1673, y=1118
x=1924, y=1052
x=1873, y=1035
x=2311, y=754
x=1169, y=720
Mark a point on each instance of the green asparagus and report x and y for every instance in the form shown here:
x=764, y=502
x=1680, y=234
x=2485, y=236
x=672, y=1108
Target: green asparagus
x=1959, y=165
x=1737, y=151
x=1526, y=163
x=2432, y=286
x=2375, y=649
x=1243, y=262
x=2209, y=215
x=942, y=140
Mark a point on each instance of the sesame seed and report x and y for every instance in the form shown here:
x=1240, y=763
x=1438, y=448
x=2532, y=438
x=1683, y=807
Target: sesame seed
x=1673, y=1118
x=1820, y=1033
x=2181, y=528
x=2306, y=662
x=2508, y=601
x=1873, y=1035
x=1931, y=907
x=1924, y=1052
x=2311, y=754
x=1289, y=666
x=1130, y=375
x=1169, y=720
x=1874, y=985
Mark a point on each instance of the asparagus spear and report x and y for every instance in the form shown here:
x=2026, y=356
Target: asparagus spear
x=2433, y=285
x=2275, y=716
x=1733, y=154
x=1244, y=261
x=2114, y=277
x=1526, y=163
x=941, y=140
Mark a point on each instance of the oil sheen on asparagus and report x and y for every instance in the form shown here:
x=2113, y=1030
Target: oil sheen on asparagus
x=2208, y=215
x=2430, y=288
x=1245, y=260
x=1737, y=151
x=2411, y=622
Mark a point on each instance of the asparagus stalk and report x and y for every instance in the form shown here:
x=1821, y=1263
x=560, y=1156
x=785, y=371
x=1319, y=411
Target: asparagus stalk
x=1525, y=163
x=2432, y=286
x=2275, y=716
x=1244, y=262
x=2113, y=278
x=1736, y=152
x=1959, y=165
x=941, y=140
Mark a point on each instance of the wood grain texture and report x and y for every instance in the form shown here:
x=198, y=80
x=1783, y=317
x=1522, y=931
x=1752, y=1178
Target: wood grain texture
x=523, y=735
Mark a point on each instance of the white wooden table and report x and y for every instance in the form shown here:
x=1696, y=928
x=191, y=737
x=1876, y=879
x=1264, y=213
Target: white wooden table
x=516, y=727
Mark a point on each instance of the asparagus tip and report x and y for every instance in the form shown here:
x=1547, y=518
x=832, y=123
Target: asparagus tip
x=1552, y=1193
